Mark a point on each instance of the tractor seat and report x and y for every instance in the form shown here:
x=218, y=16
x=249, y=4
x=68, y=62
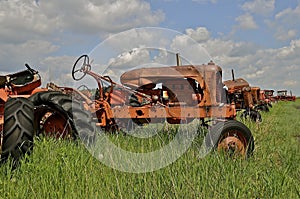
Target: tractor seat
x=21, y=78
x=2, y=81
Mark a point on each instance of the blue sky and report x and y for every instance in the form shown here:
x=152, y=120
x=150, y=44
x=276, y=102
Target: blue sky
x=260, y=39
x=220, y=18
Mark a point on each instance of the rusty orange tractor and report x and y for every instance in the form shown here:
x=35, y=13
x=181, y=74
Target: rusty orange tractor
x=17, y=112
x=266, y=99
x=262, y=103
x=26, y=110
x=244, y=97
x=283, y=95
x=269, y=96
x=174, y=94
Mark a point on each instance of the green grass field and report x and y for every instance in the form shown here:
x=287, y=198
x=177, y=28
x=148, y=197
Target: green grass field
x=61, y=169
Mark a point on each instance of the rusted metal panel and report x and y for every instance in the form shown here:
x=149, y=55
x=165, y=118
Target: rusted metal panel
x=178, y=112
x=209, y=78
x=236, y=84
x=255, y=91
x=139, y=77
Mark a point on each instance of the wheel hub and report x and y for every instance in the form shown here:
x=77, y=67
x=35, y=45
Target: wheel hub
x=55, y=125
x=232, y=145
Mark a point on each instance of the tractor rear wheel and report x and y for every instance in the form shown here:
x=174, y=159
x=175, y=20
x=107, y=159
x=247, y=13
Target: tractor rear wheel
x=56, y=115
x=231, y=137
x=18, y=131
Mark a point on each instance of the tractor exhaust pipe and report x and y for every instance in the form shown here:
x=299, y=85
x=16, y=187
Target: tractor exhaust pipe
x=232, y=73
x=178, y=60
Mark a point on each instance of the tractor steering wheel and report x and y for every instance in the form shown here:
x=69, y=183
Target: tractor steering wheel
x=82, y=65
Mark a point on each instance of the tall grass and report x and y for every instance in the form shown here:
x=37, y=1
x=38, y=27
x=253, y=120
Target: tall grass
x=61, y=169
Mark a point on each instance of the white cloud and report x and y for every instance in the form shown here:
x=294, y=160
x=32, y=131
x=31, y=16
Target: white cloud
x=77, y=16
x=285, y=35
x=205, y=1
x=31, y=30
x=289, y=52
x=92, y=16
x=130, y=58
x=31, y=51
x=23, y=20
x=290, y=83
x=284, y=24
x=137, y=47
x=190, y=50
x=262, y=7
x=267, y=68
x=246, y=22
x=288, y=15
x=57, y=69
x=256, y=74
x=201, y=34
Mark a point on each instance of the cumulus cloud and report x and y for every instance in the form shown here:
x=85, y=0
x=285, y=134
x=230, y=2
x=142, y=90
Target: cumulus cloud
x=130, y=58
x=34, y=29
x=288, y=15
x=246, y=22
x=284, y=25
x=145, y=47
x=193, y=52
x=285, y=35
x=274, y=68
x=287, y=21
x=268, y=68
x=79, y=16
x=289, y=52
x=290, y=83
x=32, y=51
x=261, y=7
x=205, y=1
x=200, y=34
x=57, y=69
x=256, y=74
x=148, y=46
x=94, y=16
x=22, y=20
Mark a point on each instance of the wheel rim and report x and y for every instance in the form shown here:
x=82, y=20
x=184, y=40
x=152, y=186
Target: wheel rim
x=233, y=143
x=52, y=123
x=55, y=125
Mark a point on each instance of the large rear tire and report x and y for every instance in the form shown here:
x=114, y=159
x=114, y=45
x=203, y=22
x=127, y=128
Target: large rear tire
x=231, y=137
x=18, y=130
x=57, y=115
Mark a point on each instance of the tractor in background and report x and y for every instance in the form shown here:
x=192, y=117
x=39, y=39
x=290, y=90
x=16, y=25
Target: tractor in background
x=260, y=100
x=269, y=96
x=283, y=95
x=244, y=97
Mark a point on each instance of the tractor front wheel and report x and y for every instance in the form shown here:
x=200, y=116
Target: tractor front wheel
x=231, y=137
